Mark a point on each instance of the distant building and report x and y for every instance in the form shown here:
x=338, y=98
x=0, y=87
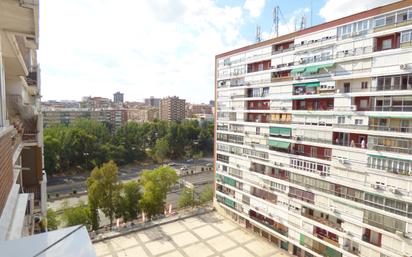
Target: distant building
x=154, y=102
x=172, y=109
x=95, y=102
x=143, y=114
x=118, y=97
x=212, y=103
x=61, y=104
x=201, y=109
x=114, y=117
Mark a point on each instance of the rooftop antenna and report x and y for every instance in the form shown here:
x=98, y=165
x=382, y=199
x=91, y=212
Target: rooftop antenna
x=258, y=35
x=275, y=21
x=311, y=13
x=303, y=22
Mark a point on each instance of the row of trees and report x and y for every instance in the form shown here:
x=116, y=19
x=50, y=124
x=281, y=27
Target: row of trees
x=87, y=143
x=120, y=200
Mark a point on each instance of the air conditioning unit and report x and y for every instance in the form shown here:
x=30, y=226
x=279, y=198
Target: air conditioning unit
x=394, y=190
x=407, y=235
x=301, y=61
x=376, y=186
x=349, y=233
x=403, y=66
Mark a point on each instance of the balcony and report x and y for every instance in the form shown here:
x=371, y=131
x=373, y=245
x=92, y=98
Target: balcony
x=258, y=66
x=399, y=82
x=326, y=236
x=390, y=144
x=387, y=42
x=258, y=92
x=322, y=218
x=268, y=222
x=283, y=47
x=281, y=76
x=270, y=171
x=258, y=105
x=324, y=104
x=350, y=139
x=372, y=237
x=263, y=194
x=390, y=124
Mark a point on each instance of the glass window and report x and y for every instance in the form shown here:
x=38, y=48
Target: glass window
x=406, y=36
x=402, y=16
x=387, y=44
x=379, y=22
x=364, y=84
x=390, y=19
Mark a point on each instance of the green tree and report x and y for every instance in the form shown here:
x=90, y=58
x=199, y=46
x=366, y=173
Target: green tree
x=78, y=215
x=52, y=148
x=206, y=195
x=186, y=198
x=52, y=220
x=104, y=190
x=156, y=184
x=129, y=202
x=161, y=150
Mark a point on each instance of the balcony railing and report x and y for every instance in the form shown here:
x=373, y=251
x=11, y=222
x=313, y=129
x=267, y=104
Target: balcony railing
x=323, y=157
x=391, y=129
x=390, y=149
x=391, y=108
x=324, y=221
x=281, y=79
x=327, y=239
x=393, y=87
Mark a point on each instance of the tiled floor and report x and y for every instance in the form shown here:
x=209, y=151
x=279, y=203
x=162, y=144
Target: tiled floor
x=202, y=236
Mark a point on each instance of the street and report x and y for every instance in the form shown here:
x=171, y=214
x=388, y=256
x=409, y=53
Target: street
x=68, y=184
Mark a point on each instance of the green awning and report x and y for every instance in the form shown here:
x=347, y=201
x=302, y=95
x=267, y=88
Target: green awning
x=280, y=131
x=315, y=68
x=230, y=202
x=274, y=131
x=279, y=144
x=386, y=157
x=310, y=84
x=312, y=69
x=286, y=132
x=229, y=181
x=298, y=70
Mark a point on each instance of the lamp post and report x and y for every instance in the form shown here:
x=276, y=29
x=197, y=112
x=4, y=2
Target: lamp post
x=85, y=155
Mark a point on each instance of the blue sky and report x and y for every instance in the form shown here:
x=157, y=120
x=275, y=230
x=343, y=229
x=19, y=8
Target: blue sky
x=157, y=47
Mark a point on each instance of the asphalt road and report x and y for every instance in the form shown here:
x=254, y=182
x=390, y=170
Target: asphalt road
x=66, y=184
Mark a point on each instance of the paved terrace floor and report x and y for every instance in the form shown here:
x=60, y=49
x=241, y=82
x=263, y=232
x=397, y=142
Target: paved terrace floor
x=206, y=235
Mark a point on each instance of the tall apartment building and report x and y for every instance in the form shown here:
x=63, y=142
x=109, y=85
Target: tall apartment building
x=172, y=109
x=314, y=136
x=22, y=178
x=118, y=97
x=152, y=101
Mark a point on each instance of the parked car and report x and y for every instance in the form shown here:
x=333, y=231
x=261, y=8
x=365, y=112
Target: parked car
x=189, y=160
x=171, y=164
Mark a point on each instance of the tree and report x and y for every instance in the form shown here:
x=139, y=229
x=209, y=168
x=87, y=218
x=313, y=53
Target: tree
x=104, y=190
x=206, y=195
x=156, y=184
x=161, y=150
x=52, y=221
x=78, y=215
x=51, y=154
x=129, y=202
x=186, y=198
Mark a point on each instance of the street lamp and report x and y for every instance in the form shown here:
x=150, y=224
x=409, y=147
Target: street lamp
x=85, y=155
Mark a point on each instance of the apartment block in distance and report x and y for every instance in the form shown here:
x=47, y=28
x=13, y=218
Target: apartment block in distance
x=314, y=136
x=22, y=178
x=172, y=109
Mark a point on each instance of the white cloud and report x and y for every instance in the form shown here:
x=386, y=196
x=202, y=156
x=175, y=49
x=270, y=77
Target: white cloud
x=141, y=48
x=334, y=9
x=254, y=7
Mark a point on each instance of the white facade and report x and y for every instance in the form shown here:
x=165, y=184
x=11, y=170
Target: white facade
x=314, y=137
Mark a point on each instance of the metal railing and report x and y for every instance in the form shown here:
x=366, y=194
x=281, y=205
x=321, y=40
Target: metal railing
x=391, y=129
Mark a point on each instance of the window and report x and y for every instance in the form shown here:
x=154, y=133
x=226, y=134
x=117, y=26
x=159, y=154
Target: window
x=260, y=68
x=379, y=22
x=327, y=152
x=363, y=103
x=358, y=122
x=364, y=84
x=313, y=151
x=403, y=16
x=341, y=119
x=406, y=36
x=346, y=87
x=387, y=44
x=257, y=131
x=301, y=149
